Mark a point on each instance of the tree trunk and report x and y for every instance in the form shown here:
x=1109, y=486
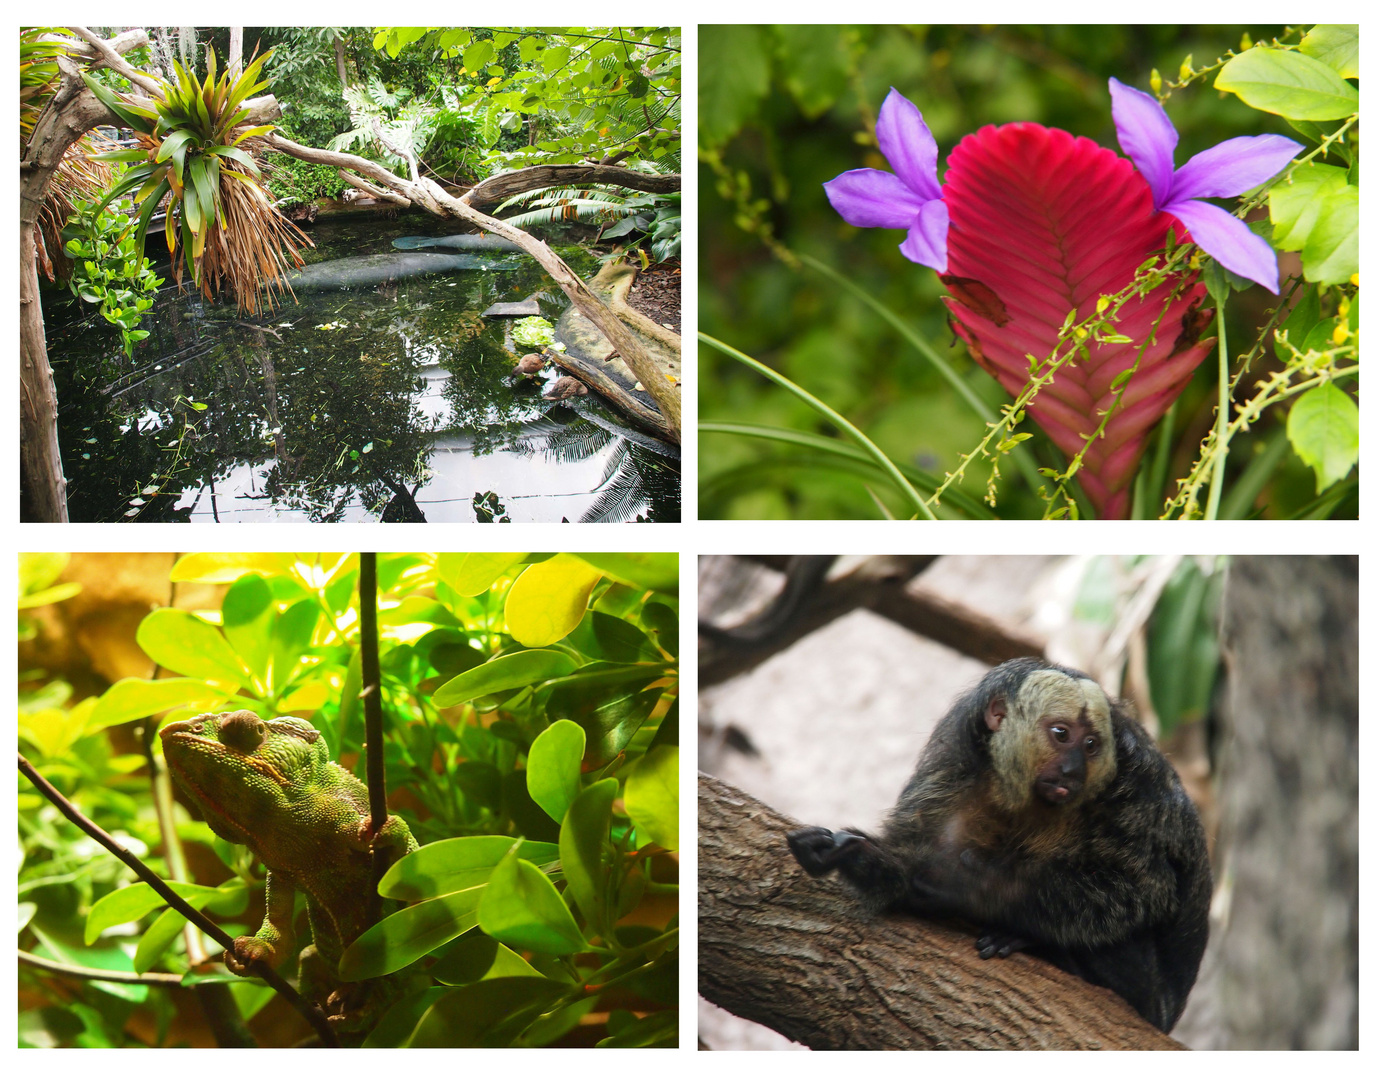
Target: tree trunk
x=795, y=953
x=340, y=68
x=235, y=61
x=1282, y=970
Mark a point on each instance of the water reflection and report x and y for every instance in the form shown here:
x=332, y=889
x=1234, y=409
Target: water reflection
x=385, y=403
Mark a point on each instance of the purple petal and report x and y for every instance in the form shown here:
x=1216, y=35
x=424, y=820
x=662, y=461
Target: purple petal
x=1233, y=245
x=1232, y=167
x=927, y=239
x=1146, y=135
x=908, y=145
x=870, y=199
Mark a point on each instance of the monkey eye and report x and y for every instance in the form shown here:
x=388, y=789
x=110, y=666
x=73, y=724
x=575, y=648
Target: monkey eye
x=1059, y=732
x=1092, y=746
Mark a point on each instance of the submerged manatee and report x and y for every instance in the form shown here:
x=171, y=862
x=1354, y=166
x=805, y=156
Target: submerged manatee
x=365, y=271
x=462, y=241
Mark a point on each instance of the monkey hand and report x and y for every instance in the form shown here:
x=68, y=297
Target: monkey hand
x=820, y=850
x=994, y=943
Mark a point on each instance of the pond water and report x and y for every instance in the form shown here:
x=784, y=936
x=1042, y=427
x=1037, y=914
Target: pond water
x=388, y=402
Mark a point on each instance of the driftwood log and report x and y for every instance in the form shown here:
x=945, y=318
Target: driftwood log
x=795, y=954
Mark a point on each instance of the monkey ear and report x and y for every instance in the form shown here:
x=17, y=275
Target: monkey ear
x=995, y=712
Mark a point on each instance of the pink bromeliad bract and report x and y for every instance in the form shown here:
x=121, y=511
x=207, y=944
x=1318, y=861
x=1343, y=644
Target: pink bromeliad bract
x=1042, y=223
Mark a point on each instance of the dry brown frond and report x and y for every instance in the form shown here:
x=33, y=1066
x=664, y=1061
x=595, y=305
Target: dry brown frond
x=253, y=252
x=77, y=177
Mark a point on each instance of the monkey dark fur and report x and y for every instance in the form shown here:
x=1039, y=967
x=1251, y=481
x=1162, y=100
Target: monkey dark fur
x=1042, y=812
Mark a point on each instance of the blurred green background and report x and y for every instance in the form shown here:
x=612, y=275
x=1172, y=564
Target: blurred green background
x=783, y=109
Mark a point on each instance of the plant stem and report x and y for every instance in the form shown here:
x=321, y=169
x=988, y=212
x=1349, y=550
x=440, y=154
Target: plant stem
x=876, y=454
x=1222, y=422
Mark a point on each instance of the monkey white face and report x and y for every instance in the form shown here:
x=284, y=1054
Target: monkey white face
x=1054, y=741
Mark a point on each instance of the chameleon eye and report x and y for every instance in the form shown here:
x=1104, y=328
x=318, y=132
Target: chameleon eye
x=243, y=731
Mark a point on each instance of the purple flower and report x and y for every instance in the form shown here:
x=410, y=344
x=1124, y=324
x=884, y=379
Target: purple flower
x=1226, y=170
x=908, y=198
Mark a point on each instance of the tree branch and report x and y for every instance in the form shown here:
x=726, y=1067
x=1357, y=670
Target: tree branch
x=498, y=188
x=795, y=953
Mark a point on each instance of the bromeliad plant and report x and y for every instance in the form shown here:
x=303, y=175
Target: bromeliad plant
x=1084, y=282
x=219, y=211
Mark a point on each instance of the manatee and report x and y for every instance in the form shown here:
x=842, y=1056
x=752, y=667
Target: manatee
x=364, y=271
x=462, y=241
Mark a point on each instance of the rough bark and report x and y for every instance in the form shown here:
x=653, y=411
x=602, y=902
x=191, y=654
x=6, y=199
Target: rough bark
x=1283, y=963
x=497, y=188
x=431, y=196
x=794, y=953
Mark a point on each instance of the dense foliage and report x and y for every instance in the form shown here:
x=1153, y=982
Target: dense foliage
x=526, y=697
x=844, y=315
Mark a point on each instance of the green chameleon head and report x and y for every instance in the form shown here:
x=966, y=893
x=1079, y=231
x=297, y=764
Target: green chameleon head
x=239, y=768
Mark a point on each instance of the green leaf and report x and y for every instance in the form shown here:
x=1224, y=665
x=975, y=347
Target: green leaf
x=477, y=55
x=453, y=865
x=1323, y=428
x=1330, y=255
x=133, y=698
x=407, y=935
x=247, y=614
x=1335, y=45
x=522, y=908
x=1290, y=84
x=487, y=1013
x=663, y=621
x=650, y=570
x=549, y=598
x=157, y=938
x=583, y=840
x=554, y=767
x=609, y=717
x=1303, y=317
x=133, y=902
x=1295, y=206
x=733, y=79
x=652, y=796
x=181, y=642
x=504, y=673
x=601, y=636
x=474, y=573
x=291, y=637
x=397, y=1023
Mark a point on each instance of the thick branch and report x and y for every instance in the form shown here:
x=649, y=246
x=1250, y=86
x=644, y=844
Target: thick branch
x=795, y=953
x=434, y=198
x=497, y=188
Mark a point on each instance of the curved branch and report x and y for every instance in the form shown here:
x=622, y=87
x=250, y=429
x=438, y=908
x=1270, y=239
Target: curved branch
x=792, y=952
x=497, y=188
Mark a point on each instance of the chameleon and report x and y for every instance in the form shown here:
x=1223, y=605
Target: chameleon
x=270, y=785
